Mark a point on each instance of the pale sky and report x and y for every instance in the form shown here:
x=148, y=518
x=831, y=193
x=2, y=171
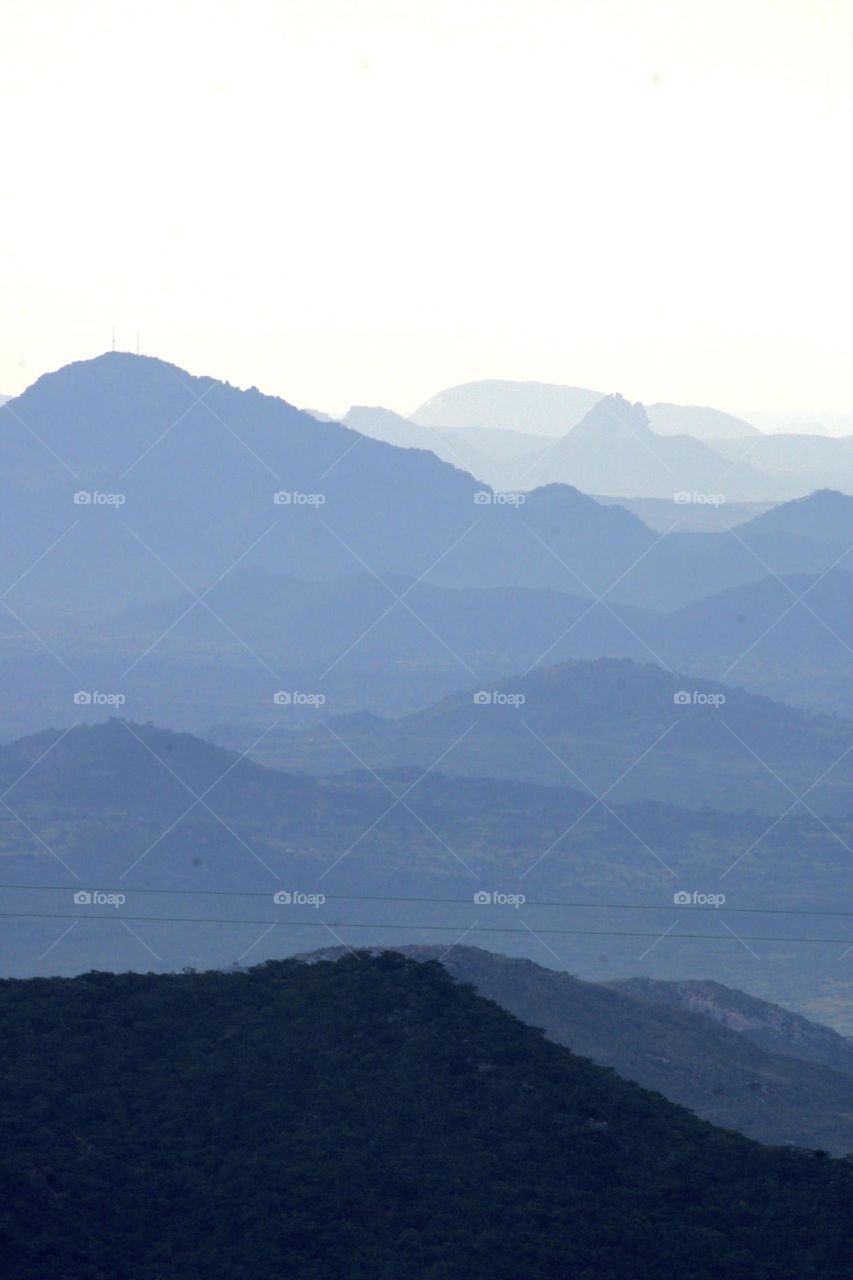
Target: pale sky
x=358, y=201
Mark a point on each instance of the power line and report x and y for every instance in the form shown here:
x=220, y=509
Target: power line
x=432, y=928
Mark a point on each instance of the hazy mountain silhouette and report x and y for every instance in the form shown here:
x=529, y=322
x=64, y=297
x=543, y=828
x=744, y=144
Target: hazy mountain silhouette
x=635, y=729
x=790, y=638
x=554, y=410
x=698, y=420
x=174, y=823
x=614, y=449
x=755, y=467
x=508, y=459
x=825, y=514
x=539, y=407
x=197, y=464
x=795, y=464
x=661, y=514
x=819, y=422
x=488, y=453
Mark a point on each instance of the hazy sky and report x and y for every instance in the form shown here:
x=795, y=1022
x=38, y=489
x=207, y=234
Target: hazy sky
x=364, y=201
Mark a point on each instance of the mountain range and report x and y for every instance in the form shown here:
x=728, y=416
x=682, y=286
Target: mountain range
x=603, y=444
x=126, y=481
x=554, y=410
x=197, y=839
x=367, y=618
x=633, y=729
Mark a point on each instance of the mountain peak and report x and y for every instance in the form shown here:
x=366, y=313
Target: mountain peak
x=614, y=417
x=825, y=514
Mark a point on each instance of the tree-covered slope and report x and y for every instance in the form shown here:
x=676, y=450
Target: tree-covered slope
x=791, y=1088
x=366, y=1119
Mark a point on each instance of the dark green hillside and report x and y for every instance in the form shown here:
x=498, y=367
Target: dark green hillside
x=366, y=1119
x=791, y=1088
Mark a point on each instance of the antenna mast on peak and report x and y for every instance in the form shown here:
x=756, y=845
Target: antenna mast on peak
x=114, y=337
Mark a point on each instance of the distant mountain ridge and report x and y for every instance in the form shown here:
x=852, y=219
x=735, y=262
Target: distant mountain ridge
x=657, y=734
x=198, y=838
x=756, y=467
x=132, y=431
x=773, y=1028
x=615, y=449
x=531, y=406
x=700, y=421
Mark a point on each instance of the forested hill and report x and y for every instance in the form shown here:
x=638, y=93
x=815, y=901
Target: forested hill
x=367, y=1119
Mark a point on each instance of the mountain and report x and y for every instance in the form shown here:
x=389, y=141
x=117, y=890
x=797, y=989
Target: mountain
x=776, y=1030
x=197, y=840
x=385, y=644
x=390, y=645
x=818, y=423
x=488, y=453
x=795, y=464
x=177, y=476
x=615, y=449
x=699, y=421
x=538, y=407
x=320, y=415
x=501, y=444
x=661, y=514
x=755, y=466
x=368, y=1118
x=383, y=424
x=825, y=515
x=135, y=429
x=506, y=459
x=180, y=476
x=635, y=729
x=789, y=638
x=688, y=1051
x=554, y=410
